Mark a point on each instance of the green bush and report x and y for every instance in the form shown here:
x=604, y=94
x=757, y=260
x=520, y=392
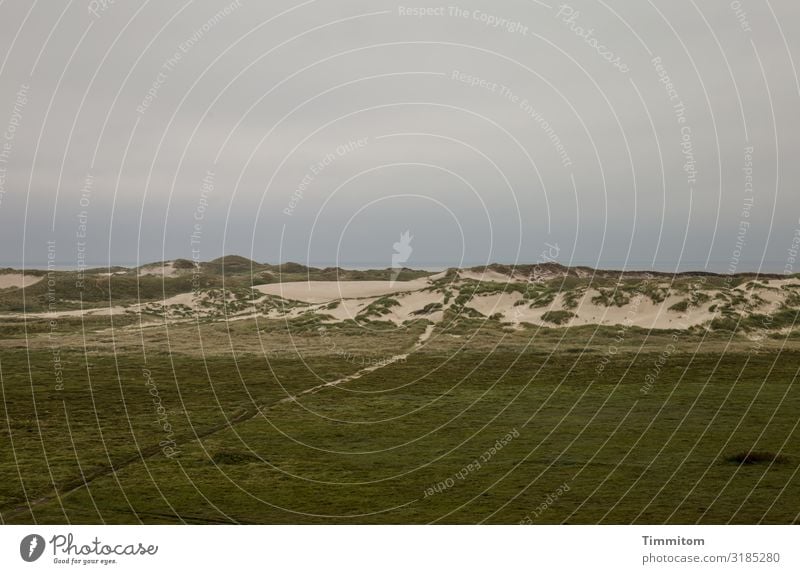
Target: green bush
x=234, y=457
x=428, y=309
x=680, y=306
x=558, y=317
x=757, y=457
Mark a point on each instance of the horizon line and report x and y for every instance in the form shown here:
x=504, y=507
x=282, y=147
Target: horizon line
x=622, y=267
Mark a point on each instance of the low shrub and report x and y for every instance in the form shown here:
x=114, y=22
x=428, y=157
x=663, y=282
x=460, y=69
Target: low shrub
x=558, y=317
x=756, y=457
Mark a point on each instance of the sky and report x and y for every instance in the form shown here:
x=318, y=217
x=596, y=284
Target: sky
x=615, y=134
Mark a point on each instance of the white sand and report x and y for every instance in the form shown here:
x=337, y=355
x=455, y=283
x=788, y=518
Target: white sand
x=487, y=275
x=18, y=280
x=187, y=299
x=780, y=283
x=640, y=312
x=346, y=309
x=327, y=291
x=167, y=269
x=771, y=297
x=437, y=276
x=74, y=313
x=105, y=311
x=354, y=296
x=525, y=314
x=411, y=303
x=502, y=303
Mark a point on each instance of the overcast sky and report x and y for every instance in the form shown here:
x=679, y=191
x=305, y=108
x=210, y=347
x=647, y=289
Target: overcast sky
x=610, y=133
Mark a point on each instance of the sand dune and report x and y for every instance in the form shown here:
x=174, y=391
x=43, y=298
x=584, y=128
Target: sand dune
x=487, y=275
x=187, y=299
x=411, y=303
x=327, y=291
x=346, y=309
x=642, y=313
x=502, y=303
x=346, y=300
x=167, y=269
x=18, y=280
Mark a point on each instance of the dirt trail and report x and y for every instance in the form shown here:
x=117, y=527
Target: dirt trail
x=86, y=479
x=365, y=371
x=77, y=483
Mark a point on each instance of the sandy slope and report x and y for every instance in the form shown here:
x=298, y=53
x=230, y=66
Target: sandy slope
x=412, y=302
x=167, y=269
x=346, y=309
x=639, y=313
x=502, y=303
x=487, y=275
x=187, y=299
x=350, y=298
x=18, y=280
x=326, y=291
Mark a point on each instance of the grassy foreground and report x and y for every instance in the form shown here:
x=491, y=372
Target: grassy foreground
x=508, y=433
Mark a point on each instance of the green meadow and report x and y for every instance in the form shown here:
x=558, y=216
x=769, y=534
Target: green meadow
x=183, y=393
x=232, y=423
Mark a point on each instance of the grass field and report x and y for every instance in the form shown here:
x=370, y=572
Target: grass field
x=179, y=393
x=189, y=424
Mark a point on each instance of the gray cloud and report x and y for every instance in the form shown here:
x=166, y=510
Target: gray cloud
x=474, y=133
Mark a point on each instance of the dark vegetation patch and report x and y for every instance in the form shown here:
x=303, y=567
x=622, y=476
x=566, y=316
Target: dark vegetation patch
x=428, y=309
x=558, y=317
x=495, y=388
x=69, y=290
x=378, y=308
x=680, y=306
x=779, y=320
x=612, y=296
x=572, y=298
x=757, y=457
x=231, y=457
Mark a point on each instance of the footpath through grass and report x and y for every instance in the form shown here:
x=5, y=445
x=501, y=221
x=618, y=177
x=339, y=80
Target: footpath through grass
x=472, y=437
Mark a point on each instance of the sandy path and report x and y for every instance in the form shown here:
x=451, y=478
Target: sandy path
x=86, y=479
x=365, y=371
